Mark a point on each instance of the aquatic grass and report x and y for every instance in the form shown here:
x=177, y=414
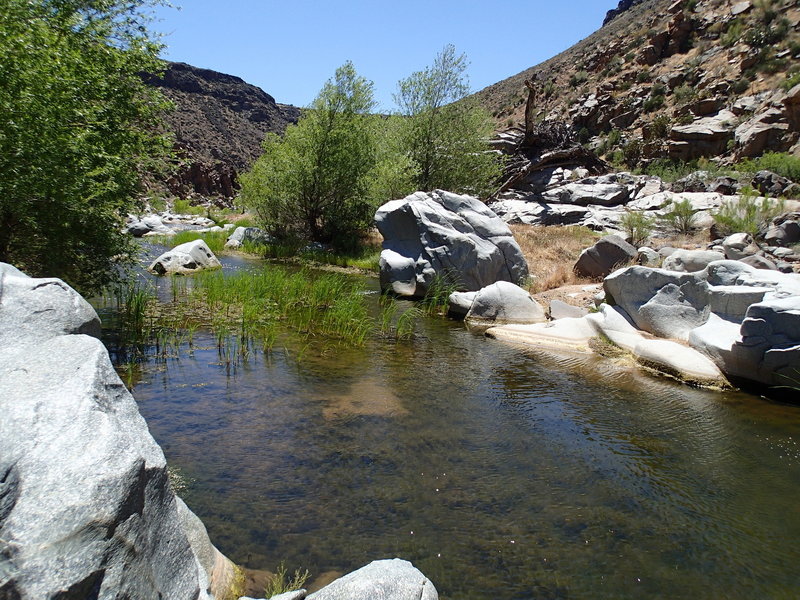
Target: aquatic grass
x=215, y=240
x=436, y=300
x=281, y=582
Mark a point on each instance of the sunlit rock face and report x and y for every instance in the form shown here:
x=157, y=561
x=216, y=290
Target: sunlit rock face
x=86, y=508
x=441, y=237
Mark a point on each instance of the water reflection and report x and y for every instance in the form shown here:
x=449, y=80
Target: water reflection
x=501, y=474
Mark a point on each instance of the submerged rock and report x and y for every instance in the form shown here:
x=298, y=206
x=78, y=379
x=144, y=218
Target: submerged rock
x=440, y=235
x=184, y=259
x=86, y=508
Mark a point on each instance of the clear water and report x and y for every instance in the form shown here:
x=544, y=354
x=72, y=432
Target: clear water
x=502, y=474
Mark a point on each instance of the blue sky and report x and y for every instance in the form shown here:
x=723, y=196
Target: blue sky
x=291, y=47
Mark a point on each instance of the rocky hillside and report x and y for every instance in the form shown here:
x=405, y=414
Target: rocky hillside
x=671, y=79
x=219, y=122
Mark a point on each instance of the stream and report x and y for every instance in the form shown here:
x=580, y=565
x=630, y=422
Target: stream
x=501, y=473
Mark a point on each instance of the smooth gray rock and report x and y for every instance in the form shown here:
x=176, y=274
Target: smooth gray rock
x=783, y=234
x=738, y=246
x=459, y=303
x=504, y=302
x=241, y=235
x=393, y=579
x=665, y=303
x=184, y=259
x=32, y=309
x=86, y=509
x=759, y=262
x=647, y=257
x=584, y=194
x=443, y=235
x=562, y=310
x=605, y=256
x=690, y=261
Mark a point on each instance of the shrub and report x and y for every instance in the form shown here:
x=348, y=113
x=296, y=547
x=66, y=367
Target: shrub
x=632, y=152
x=740, y=86
x=658, y=89
x=785, y=165
x=791, y=81
x=578, y=78
x=653, y=103
x=679, y=216
x=661, y=126
x=643, y=77
x=684, y=93
x=732, y=34
x=637, y=227
x=583, y=135
x=747, y=214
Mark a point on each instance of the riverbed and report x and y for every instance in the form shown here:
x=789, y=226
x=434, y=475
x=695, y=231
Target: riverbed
x=501, y=473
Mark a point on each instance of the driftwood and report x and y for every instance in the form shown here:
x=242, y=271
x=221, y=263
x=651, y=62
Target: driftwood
x=548, y=144
x=568, y=157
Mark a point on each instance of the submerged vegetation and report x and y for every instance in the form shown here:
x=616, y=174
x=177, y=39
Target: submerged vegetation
x=252, y=311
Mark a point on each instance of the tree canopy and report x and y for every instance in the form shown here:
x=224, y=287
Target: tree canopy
x=321, y=180
x=445, y=133
x=77, y=127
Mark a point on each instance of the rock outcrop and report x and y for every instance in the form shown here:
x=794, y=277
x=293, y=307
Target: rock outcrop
x=86, y=508
x=729, y=321
x=219, y=123
x=441, y=235
x=605, y=256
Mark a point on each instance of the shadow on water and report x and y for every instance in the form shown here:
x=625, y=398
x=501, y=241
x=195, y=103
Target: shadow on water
x=501, y=474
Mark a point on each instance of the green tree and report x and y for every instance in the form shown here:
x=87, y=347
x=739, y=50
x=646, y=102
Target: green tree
x=317, y=181
x=445, y=133
x=77, y=127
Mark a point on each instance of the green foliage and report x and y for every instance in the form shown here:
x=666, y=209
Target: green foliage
x=637, y=226
x=584, y=135
x=660, y=127
x=578, y=78
x=785, y=165
x=684, y=93
x=732, y=34
x=653, y=103
x=680, y=216
x=316, y=182
x=740, y=86
x=281, y=582
x=643, y=76
x=215, y=240
x=747, y=214
x=76, y=129
x=632, y=152
x=444, y=133
x=791, y=81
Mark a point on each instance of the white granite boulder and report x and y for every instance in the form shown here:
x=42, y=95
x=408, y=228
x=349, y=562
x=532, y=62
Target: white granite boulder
x=86, y=508
x=504, y=302
x=457, y=239
x=690, y=261
x=241, y=235
x=393, y=579
x=185, y=259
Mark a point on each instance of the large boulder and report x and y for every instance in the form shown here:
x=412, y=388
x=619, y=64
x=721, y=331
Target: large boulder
x=86, y=508
x=504, y=302
x=241, y=235
x=691, y=261
x=706, y=136
x=185, y=259
x=606, y=255
x=445, y=236
x=738, y=246
x=664, y=303
x=393, y=579
x=150, y=225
